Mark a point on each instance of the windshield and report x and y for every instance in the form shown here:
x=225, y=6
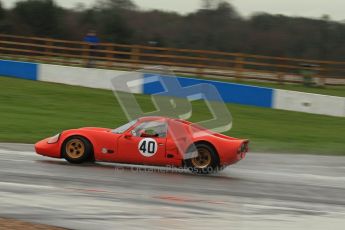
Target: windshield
x=125, y=127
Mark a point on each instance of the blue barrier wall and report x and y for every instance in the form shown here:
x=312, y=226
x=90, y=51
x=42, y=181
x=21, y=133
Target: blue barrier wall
x=230, y=92
x=16, y=69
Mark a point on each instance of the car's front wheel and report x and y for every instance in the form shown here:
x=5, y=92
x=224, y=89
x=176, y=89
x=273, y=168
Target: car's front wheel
x=206, y=161
x=77, y=150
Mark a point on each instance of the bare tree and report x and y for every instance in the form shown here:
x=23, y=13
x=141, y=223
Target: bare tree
x=2, y=11
x=116, y=4
x=209, y=4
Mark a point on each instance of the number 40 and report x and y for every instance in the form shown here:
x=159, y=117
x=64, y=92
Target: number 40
x=148, y=147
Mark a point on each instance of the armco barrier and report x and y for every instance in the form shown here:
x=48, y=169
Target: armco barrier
x=230, y=92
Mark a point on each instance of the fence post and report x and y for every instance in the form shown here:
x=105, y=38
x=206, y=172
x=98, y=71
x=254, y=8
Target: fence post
x=280, y=77
x=200, y=70
x=110, y=48
x=321, y=74
x=86, y=55
x=239, y=66
x=135, y=56
x=48, y=48
x=280, y=73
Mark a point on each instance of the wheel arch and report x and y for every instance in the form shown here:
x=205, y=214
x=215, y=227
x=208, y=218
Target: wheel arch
x=70, y=136
x=205, y=143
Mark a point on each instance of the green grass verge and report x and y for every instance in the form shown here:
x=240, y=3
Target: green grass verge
x=30, y=111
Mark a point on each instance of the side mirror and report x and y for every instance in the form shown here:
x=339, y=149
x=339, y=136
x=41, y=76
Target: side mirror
x=128, y=136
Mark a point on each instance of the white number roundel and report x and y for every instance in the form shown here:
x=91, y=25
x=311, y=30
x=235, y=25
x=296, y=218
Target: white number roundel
x=148, y=147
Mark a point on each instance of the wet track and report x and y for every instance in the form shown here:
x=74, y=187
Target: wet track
x=266, y=191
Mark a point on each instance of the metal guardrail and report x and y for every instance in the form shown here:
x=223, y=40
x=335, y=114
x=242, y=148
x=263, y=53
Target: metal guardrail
x=183, y=61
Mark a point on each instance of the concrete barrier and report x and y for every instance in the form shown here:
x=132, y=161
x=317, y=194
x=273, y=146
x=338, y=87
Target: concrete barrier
x=86, y=77
x=309, y=103
x=229, y=92
x=24, y=70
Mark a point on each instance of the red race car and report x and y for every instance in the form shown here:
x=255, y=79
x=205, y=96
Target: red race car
x=158, y=141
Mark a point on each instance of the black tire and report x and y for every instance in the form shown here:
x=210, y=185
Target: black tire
x=211, y=165
x=77, y=150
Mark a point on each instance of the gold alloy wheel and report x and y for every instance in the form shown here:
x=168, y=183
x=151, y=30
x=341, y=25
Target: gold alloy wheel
x=75, y=148
x=203, y=159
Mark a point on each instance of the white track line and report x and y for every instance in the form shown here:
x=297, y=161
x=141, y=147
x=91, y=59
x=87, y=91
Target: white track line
x=11, y=152
x=25, y=185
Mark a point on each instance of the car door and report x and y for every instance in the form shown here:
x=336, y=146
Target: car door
x=145, y=143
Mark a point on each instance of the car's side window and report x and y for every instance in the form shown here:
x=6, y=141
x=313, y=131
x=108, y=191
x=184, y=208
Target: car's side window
x=151, y=129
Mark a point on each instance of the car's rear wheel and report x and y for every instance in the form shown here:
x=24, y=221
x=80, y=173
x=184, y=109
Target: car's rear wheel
x=206, y=161
x=77, y=150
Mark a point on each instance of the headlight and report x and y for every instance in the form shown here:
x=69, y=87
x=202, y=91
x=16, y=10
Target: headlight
x=54, y=139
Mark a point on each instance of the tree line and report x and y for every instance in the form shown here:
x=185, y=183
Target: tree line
x=212, y=27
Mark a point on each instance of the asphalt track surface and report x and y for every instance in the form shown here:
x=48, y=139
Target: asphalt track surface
x=265, y=191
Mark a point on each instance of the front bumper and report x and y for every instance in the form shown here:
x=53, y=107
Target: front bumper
x=50, y=150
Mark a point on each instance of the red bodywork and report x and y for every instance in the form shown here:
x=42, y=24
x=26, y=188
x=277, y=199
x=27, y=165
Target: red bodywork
x=123, y=147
